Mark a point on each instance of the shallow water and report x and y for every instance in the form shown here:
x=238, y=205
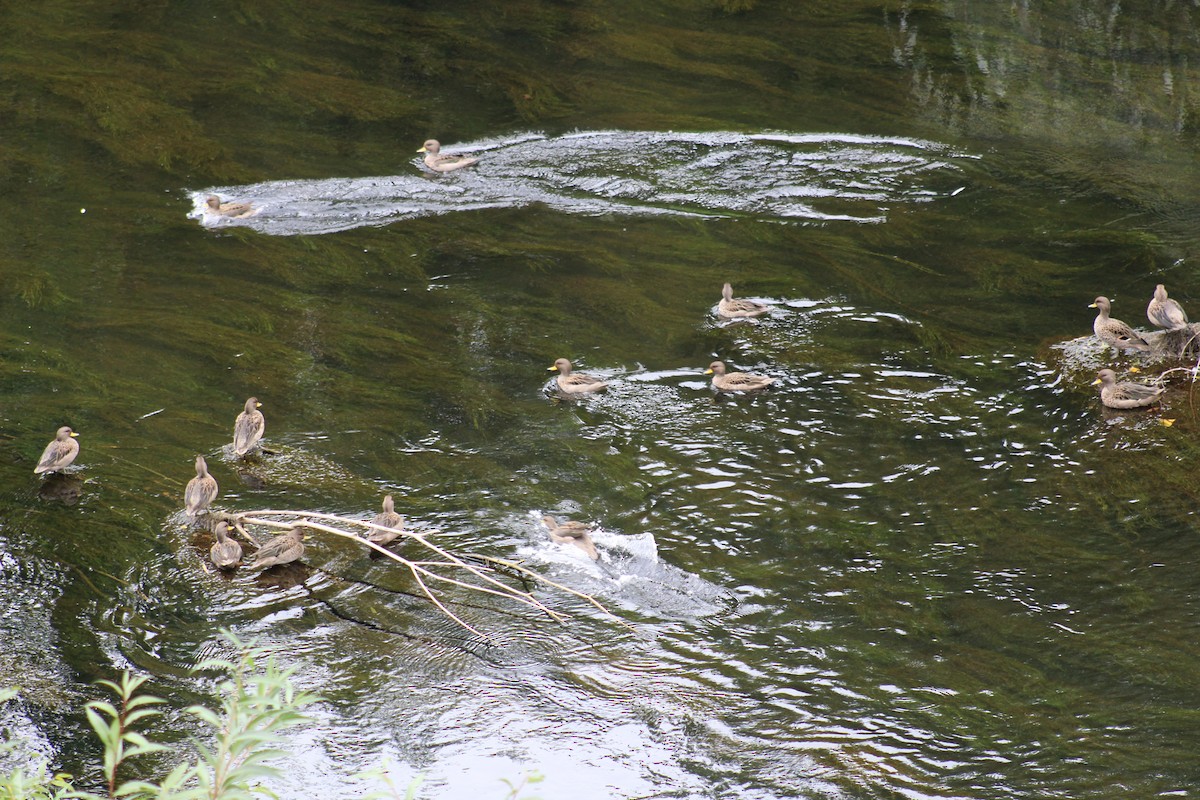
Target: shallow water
x=926, y=563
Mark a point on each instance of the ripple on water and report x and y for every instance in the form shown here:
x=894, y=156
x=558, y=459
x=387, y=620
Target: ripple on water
x=820, y=177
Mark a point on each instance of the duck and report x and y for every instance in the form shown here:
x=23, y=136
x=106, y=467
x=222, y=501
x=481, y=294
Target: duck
x=283, y=549
x=1125, y=395
x=248, y=428
x=443, y=163
x=1113, y=331
x=571, y=532
x=388, y=518
x=225, y=552
x=724, y=381
x=570, y=382
x=1165, y=312
x=60, y=453
x=213, y=205
x=738, y=309
x=201, y=490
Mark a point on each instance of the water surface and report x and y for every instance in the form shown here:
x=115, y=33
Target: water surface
x=926, y=564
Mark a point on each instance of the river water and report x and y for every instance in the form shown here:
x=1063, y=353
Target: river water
x=925, y=564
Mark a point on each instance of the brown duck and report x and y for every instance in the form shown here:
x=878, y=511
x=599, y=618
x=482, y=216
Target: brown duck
x=213, y=205
x=439, y=162
x=1113, y=331
x=201, y=490
x=724, y=381
x=283, y=549
x=225, y=552
x=60, y=453
x=571, y=532
x=738, y=309
x=248, y=427
x=1165, y=312
x=1125, y=395
x=571, y=382
x=388, y=518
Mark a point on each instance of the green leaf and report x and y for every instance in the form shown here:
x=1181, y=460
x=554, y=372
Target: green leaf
x=103, y=730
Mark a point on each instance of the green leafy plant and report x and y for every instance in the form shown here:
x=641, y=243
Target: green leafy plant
x=258, y=704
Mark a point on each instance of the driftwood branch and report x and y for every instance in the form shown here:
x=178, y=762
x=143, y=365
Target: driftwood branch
x=436, y=565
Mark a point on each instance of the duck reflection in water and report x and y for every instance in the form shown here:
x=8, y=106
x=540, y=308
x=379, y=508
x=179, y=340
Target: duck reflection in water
x=61, y=488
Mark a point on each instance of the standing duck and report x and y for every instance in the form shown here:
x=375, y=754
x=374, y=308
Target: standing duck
x=571, y=532
x=225, y=553
x=213, y=205
x=1165, y=312
x=1125, y=395
x=201, y=490
x=283, y=549
x=59, y=453
x=724, y=381
x=575, y=383
x=248, y=428
x=738, y=309
x=388, y=518
x=438, y=162
x=1113, y=331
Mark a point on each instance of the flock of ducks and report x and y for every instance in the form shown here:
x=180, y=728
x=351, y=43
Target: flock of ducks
x=573, y=384
x=1164, y=313
x=201, y=491
x=226, y=552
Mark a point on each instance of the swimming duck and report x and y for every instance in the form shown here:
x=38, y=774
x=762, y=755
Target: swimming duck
x=572, y=532
x=1113, y=331
x=575, y=382
x=201, y=490
x=248, y=428
x=738, y=309
x=443, y=163
x=1125, y=395
x=60, y=453
x=1165, y=312
x=283, y=549
x=225, y=553
x=388, y=518
x=213, y=205
x=724, y=381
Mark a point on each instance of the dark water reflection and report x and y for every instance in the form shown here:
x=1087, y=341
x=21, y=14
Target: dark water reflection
x=925, y=564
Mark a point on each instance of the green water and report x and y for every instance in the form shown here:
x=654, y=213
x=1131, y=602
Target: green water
x=927, y=564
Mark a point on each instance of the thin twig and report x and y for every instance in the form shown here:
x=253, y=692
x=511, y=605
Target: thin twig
x=424, y=571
